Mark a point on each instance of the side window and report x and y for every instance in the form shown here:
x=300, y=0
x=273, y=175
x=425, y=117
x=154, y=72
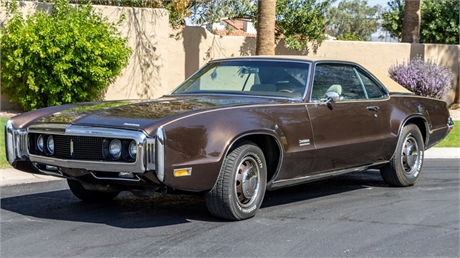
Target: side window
x=340, y=78
x=373, y=90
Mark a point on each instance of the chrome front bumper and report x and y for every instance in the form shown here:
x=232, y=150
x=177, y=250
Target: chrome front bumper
x=15, y=143
x=150, y=151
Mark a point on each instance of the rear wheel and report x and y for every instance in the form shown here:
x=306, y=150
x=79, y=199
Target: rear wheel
x=240, y=187
x=405, y=167
x=90, y=196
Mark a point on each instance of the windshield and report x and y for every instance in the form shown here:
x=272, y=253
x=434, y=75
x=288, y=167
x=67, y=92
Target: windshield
x=268, y=78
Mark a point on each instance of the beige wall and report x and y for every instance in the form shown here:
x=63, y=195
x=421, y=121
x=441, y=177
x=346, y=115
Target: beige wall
x=162, y=58
x=202, y=46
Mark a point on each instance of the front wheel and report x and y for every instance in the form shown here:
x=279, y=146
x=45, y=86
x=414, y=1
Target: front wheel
x=240, y=187
x=87, y=195
x=405, y=167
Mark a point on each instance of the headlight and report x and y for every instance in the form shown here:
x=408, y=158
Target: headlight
x=50, y=144
x=132, y=149
x=40, y=143
x=115, y=148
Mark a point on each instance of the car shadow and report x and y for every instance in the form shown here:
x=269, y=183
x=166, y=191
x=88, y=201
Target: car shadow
x=335, y=185
x=127, y=211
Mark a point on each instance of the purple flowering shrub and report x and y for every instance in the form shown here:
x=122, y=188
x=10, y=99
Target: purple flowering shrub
x=424, y=78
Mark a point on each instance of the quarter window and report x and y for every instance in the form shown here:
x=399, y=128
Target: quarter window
x=373, y=90
x=349, y=82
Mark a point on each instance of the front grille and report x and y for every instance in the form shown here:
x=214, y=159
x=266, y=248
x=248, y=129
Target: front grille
x=72, y=147
x=84, y=148
x=150, y=154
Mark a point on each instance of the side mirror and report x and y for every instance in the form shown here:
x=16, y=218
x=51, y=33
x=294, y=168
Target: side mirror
x=331, y=96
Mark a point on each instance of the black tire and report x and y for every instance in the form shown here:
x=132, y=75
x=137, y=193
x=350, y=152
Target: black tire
x=405, y=167
x=240, y=187
x=89, y=196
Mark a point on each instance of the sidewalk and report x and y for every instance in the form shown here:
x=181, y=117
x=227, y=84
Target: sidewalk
x=11, y=176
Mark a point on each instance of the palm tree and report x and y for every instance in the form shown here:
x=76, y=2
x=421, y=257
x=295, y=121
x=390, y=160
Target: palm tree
x=265, y=44
x=411, y=22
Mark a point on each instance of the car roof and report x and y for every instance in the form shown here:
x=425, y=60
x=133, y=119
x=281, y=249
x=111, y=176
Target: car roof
x=391, y=85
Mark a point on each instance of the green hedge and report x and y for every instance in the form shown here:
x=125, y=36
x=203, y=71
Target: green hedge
x=70, y=55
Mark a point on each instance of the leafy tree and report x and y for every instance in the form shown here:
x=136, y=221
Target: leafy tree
x=198, y=11
x=349, y=37
x=302, y=22
x=393, y=18
x=205, y=11
x=354, y=17
x=68, y=56
x=440, y=20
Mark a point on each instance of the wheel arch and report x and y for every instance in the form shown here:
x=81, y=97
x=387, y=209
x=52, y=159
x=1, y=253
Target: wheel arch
x=269, y=145
x=422, y=125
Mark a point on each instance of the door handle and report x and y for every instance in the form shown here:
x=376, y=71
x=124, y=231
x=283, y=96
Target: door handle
x=373, y=108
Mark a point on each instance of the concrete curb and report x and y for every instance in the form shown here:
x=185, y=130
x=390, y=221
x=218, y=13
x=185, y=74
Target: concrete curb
x=443, y=153
x=11, y=176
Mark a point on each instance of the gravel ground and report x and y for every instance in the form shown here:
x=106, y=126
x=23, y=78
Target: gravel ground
x=454, y=112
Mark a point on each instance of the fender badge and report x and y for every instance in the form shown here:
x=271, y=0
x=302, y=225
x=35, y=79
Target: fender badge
x=304, y=142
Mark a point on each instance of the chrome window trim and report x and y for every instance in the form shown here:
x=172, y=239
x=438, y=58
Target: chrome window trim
x=357, y=67
x=361, y=82
x=265, y=59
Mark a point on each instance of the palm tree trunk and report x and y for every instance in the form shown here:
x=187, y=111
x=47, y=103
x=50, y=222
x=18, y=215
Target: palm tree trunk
x=412, y=21
x=265, y=44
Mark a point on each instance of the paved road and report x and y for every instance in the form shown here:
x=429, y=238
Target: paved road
x=354, y=215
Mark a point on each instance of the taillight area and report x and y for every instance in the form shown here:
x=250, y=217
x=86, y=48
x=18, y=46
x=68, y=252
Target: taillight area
x=450, y=124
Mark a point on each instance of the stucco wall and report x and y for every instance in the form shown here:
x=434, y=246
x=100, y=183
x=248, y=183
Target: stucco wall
x=201, y=46
x=162, y=58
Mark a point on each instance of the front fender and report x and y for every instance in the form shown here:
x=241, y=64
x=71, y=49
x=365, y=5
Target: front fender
x=200, y=142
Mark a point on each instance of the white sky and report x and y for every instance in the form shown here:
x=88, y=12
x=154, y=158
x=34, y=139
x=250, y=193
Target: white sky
x=383, y=3
x=380, y=2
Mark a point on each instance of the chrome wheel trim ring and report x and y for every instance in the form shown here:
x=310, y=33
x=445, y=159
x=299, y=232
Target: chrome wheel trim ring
x=247, y=181
x=410, y=156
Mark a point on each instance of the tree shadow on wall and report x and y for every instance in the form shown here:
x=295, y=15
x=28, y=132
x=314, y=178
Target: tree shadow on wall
x=145, y=64
x=142, y=76
x=417, y=50
x=282, y=48
x=191, y=45
x=248, y=48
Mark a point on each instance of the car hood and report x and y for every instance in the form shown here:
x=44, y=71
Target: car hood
x=131, y=114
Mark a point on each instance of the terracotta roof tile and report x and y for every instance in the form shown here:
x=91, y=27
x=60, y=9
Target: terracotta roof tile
x=237, y=30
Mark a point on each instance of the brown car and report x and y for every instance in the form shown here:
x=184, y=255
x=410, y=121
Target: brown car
x=234, y=129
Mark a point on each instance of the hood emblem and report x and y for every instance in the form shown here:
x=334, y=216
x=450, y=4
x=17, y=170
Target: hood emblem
x=130, y=124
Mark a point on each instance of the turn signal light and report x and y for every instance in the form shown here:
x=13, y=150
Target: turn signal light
x=182, y=172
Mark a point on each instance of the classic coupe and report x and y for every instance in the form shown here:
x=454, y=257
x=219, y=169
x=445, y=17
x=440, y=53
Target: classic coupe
x=234, y=129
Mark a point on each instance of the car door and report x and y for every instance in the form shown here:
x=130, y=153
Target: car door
x=347, y=132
